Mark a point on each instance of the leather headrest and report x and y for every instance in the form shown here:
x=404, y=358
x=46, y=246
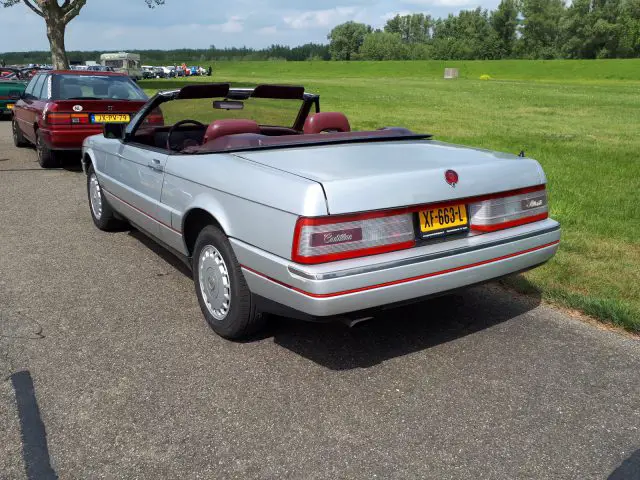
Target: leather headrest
x=230, y=126
x=326, y=122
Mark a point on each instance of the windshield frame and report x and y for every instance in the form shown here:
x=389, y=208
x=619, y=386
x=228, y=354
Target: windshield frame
x=217, y=91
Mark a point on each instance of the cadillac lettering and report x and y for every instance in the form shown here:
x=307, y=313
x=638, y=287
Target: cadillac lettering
x=279, y=208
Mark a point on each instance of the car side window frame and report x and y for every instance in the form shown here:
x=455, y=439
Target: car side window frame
x=37, y=88
x=28, y=92
x=44, y=90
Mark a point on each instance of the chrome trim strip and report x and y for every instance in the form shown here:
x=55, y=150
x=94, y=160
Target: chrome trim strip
x=410, y=261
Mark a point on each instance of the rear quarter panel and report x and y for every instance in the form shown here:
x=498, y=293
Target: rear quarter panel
x=253, y=203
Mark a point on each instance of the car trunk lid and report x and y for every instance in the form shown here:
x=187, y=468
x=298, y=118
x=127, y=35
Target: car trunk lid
x=373, y=176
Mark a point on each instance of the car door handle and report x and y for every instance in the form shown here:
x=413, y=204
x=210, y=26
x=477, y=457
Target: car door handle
x=156, y=165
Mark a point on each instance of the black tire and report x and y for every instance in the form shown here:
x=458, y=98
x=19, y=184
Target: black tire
x=104, y=218
x=242, y=318
x=46, y=156
x=18, y=139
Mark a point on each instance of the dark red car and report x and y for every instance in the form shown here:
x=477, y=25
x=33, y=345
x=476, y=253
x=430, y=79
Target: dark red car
x=59, y=109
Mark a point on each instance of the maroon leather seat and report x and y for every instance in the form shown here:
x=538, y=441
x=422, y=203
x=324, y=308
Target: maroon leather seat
x=230, y=126
x=326, y=122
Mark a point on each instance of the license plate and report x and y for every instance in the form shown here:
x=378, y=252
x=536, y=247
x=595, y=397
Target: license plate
x=10, y=106
x=443, y=220
x=110, y=118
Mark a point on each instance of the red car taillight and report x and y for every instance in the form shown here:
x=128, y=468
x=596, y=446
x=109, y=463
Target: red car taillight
x=525, y=206
x=154, y=118
x=325, y=239
x=53, y=118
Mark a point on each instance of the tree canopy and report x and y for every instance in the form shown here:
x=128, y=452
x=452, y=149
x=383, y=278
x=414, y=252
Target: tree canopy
x=57, y=16
x=346, y=39
x=515, y=29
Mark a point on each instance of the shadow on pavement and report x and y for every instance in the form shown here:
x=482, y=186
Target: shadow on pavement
x=35, y=451
x=629, y=469
x=400, y=331
x=70, y=161
x=394, y=332
x=166, y=255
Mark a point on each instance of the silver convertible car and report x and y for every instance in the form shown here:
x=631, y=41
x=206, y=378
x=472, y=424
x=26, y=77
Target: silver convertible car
x=280, y=208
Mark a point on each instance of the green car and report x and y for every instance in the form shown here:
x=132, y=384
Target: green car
x=11, y=88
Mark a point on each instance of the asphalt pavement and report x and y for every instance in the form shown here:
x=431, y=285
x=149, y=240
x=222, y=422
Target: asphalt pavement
x=108, y=371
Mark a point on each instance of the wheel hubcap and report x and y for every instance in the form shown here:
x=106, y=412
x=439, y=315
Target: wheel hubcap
x=95, y=196
x=215, y=283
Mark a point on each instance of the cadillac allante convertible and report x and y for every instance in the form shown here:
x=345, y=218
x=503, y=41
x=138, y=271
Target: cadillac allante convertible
x=280, y=208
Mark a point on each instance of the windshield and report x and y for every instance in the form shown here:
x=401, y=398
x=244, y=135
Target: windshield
x=95, y=87
x=265, y=111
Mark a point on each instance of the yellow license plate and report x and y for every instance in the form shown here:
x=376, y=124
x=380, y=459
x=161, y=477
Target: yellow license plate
x=442, y=220
x=10, y=106
x=110, y=118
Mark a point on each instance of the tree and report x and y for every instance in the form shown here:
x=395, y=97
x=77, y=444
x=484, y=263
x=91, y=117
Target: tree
x=630, y=29
x=504, y=21
x=412, y=28
x=383, y=46
x=346, y=39
x=467, y=36
x=57, y=16
x=541, y=27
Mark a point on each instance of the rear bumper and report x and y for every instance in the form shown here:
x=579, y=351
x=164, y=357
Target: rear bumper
x=68, y=138
x=339, y=288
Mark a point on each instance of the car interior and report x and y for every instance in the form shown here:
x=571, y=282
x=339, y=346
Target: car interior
x=191, y=133
x=191, y=136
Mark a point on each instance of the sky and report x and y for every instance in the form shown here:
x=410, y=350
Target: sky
x=130, y=24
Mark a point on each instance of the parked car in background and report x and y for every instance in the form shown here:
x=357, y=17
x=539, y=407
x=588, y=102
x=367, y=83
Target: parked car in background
x=59, y=109
x=147, y=72
x=159, y=72
x=169, y=72
x=280, y=208
x=11, y=88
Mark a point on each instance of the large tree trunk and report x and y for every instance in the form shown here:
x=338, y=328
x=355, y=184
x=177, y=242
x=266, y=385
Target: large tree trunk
x=55, y=33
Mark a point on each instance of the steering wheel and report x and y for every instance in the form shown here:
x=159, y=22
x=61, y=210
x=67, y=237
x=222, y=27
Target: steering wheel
x=177, y=125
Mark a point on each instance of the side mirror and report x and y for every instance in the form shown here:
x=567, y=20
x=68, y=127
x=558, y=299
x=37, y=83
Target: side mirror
x=114, y=130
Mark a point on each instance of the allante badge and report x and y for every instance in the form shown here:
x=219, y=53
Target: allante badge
x=451, y=177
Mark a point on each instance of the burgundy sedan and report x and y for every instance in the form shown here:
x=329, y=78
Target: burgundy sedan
x=59, y=109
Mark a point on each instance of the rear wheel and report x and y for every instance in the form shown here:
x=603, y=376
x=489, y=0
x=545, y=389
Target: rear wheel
x=101, y=212
x=46, y=156
x=18, y=138
x=223, y=294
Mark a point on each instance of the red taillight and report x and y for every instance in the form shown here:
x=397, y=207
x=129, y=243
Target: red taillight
x=154, y=118
x=54, y=118
x=326, y=239
x=58, y=118
x=517, y=208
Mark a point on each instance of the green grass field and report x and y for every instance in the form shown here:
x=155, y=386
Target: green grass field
x=580, y=119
